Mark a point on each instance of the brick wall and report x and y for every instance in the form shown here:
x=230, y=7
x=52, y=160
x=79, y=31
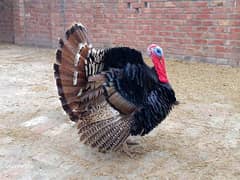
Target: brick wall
x=6, y=21
x=33, y=22
x=202, y=30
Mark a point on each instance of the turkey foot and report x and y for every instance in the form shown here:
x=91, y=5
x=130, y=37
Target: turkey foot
x=130, y=152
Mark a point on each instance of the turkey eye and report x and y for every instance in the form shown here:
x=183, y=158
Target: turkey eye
x=158, y=52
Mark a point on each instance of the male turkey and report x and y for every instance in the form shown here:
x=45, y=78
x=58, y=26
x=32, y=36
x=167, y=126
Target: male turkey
x=111, y=93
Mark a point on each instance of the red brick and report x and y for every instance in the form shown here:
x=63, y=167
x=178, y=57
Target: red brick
x=201, y=4
x=185, y=41
x=234, y=16
x=170, y=28
x=234, y=36
x=186, y=28
x=235, y=29
x=220, y=49
x=221, y=36
x=236, y=23
x=235, y=43
x=216, y=42
x=200, y=41
x=195, y=35
x=201, y=29
x=194, y=22
x=202, y=16
x=218, y=16
x=208, y=23
x=207, y=10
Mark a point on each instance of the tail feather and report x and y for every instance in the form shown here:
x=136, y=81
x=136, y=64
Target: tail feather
x=76, y=35
x=83, y=126
x=106, y=135
x=69, y=83
x=72, y=39
x=105, y=140
x=75, y=61
x=69, y=70
x=67, y=50
x=84, y=89
x=77, y=32
x=121, y=139
x=108, y=142
x=97, y=136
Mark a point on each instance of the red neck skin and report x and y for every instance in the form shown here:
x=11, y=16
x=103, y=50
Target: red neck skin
x=159, y=64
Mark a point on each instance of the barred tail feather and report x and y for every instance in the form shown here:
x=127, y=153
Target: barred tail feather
x=69, y=69
x=105, y=135
x=76, y=60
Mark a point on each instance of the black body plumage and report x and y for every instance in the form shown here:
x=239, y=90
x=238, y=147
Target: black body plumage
x=118, y=57
x=139, y=84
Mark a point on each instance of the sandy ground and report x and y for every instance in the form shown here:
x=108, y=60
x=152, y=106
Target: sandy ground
x=199, y=140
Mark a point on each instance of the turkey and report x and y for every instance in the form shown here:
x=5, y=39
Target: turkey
x=111, y=93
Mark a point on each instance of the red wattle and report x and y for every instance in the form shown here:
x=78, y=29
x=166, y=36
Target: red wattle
x=159, y=64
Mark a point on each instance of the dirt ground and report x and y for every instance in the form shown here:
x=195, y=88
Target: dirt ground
x=199, y=140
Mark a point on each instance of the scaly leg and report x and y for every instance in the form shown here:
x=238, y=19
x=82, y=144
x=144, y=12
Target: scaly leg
x=130, y=152
x=126, y=150
x=131, y=143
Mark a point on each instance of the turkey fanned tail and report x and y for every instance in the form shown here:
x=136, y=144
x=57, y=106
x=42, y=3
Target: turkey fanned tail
x=111, y=93
x=75, y=61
